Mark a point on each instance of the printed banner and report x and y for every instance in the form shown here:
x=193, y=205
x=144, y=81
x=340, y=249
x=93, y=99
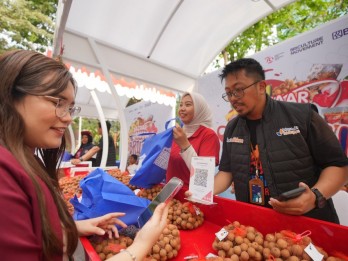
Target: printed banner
x=145, y=117
x=309, y=68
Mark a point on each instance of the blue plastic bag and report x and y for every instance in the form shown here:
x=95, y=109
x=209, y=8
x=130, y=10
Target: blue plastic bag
x=103, y=194
x=154, y=158
x=66, y=156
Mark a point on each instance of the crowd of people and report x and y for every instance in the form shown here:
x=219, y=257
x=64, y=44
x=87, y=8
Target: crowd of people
x=270, y=147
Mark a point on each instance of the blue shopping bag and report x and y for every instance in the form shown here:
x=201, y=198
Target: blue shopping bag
x=103, y=194
x=154, y=158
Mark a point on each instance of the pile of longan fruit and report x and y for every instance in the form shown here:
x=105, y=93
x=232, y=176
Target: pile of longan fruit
x=185, y=215
x=150, y=193
x=121, y=176
x=167, y=246
x=241, y=243
x=281, y=247
x=284, y=245
x=246, y=243
x=106, y=247
x=70, y=186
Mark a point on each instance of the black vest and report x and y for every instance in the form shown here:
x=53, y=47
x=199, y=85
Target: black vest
x=285, y=153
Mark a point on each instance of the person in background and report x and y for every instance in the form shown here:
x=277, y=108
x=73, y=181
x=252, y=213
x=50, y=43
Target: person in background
x=272, y=147
x=132, y=164
x=86, y=145
x=98, y=150
x=196, y=138
x=38, y=225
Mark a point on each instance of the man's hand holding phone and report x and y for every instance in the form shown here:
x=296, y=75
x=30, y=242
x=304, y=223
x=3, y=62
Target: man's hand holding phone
x=294, y=193
x=295, y=202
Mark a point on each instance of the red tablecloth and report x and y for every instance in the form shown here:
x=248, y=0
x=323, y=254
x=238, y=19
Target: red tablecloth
x=333, y=238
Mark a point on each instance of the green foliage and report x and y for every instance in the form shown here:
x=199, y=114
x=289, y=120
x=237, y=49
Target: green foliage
x=294, y=19
x=26, y=24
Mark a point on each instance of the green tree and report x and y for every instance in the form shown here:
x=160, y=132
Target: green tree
x=294, y=19
x=27, y=24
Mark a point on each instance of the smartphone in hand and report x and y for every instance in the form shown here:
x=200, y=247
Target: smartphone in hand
x=167, y=193
x=294, y=193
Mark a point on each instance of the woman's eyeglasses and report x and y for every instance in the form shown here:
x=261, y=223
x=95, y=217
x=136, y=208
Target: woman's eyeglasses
x=238, y=93
x=63, y=107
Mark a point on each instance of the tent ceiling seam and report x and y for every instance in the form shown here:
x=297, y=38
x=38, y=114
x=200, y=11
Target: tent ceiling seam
x=57, y=41
x=164, y=28
x=271, y=5
x=124, y=51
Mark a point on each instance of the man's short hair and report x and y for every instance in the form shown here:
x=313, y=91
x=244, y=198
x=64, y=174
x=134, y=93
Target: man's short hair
x=251, y=67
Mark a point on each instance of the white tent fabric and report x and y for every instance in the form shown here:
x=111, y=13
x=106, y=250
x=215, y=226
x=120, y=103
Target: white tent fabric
x=162, y=43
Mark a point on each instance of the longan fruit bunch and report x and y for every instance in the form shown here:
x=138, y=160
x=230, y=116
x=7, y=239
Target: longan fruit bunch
x=217, y=258
x=69, y=187
x=282, y=246
x=116, y=173
x=121, y=176
x=241, y=243
x=185, y=216
x=167, y=246
x=106, y=247
x=150, y=193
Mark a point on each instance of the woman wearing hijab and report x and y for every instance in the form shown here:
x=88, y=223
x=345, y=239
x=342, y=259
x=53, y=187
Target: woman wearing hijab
x=196, y=138
x=86, y=145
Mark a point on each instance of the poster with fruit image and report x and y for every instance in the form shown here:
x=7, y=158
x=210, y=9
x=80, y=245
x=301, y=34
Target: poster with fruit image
x=309, y=68
x=143, y=119
x=313, y=68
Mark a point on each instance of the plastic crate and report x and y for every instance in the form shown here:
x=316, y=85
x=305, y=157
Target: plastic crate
x=331, y=237
x=71, y=170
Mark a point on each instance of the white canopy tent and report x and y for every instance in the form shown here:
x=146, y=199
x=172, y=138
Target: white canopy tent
x=164, y=44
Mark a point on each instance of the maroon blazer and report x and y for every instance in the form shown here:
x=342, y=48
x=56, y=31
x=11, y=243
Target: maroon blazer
x=20, y=223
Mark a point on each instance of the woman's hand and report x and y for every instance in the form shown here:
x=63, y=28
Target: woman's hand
x=100, y=225
x=188, y=193
x=180, y=137
x=150, y=232
x=75, y=161
x=146, y=237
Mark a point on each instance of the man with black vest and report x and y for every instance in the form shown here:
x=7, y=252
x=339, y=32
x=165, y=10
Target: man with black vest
x=272, y=147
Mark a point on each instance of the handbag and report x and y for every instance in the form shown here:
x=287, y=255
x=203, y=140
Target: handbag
x=103, y=194
x=154, y=158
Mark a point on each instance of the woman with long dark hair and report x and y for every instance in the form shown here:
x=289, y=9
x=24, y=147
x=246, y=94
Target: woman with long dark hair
x=37, y=102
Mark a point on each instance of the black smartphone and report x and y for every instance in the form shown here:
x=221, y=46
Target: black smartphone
x=294, y=193
x=167, y=193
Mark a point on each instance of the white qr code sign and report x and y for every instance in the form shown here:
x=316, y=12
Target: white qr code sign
x=202, y=179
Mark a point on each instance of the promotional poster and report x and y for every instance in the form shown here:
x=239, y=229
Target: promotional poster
x=145, y=119
x=309, y=68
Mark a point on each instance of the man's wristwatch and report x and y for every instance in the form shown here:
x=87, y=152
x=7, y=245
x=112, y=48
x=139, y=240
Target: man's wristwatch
x=320, y=200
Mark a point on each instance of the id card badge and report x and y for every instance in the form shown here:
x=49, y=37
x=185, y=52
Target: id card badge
x=256, y=191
